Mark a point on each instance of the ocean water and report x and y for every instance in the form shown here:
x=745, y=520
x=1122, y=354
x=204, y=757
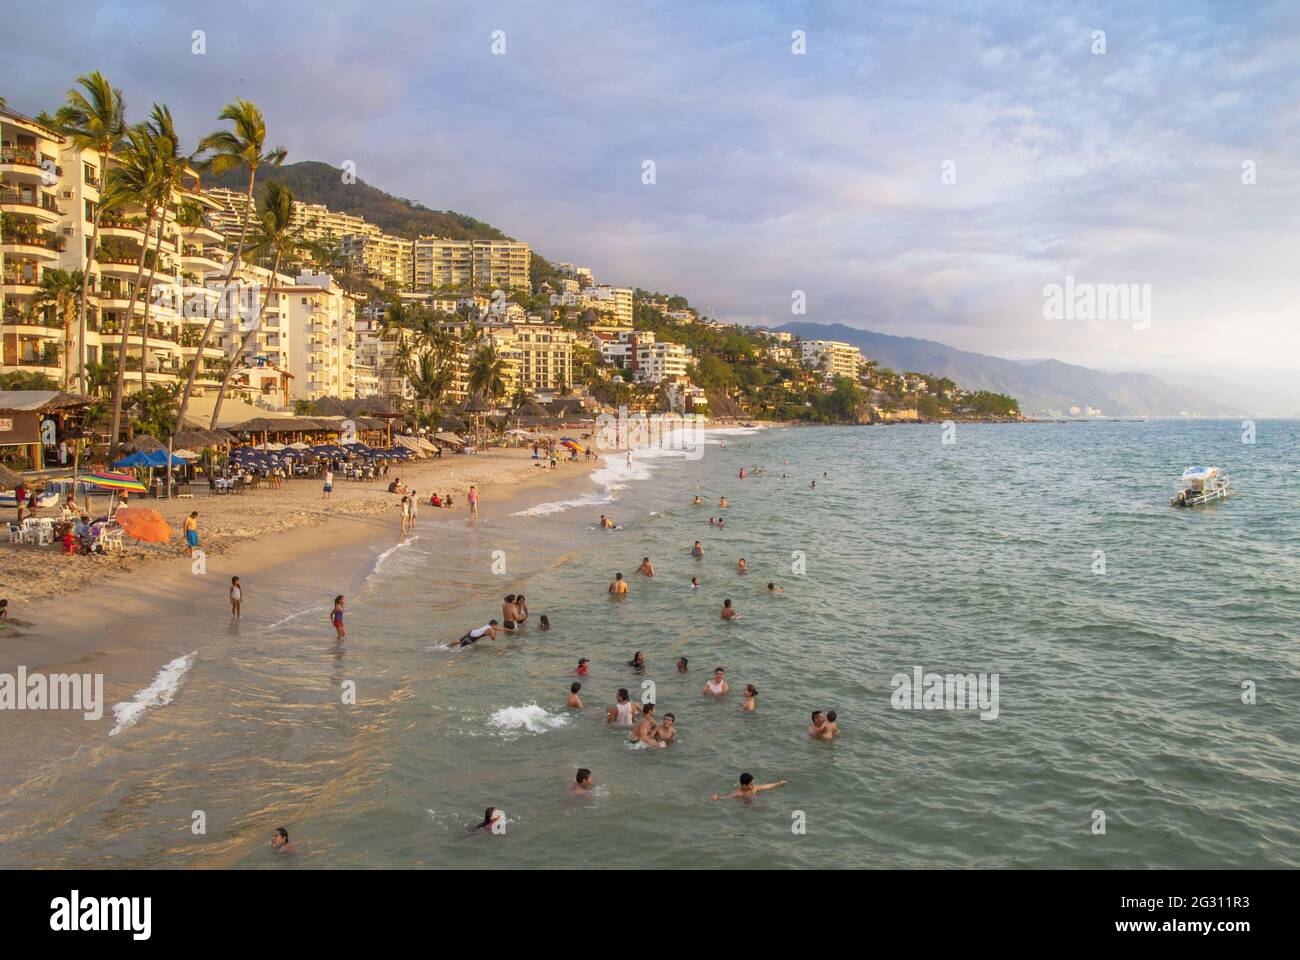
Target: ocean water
x=1124, y=636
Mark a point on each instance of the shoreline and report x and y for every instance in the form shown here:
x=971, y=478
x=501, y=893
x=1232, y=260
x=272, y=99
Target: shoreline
x=53, y=628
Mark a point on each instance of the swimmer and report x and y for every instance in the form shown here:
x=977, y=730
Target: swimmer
x=606, y=523
x=574, y=702
x=644, y=729
x=773, y=588
x=717, y=687
x=667, y=732
x=681, y=665
x=722, y=502
x=584, y=667
x=624, y=711
x=695, y=583
x=697, y=551
x=818, y=727
x=280, y=841
x=742, y=473
x=491, y=817
x=814, y=484
x=698, y=501
x=751, y=697
x=721, y=522
x=488, y=630
x=728, y=611
x=521, y=608
x=646, y=568
x=712, y=522
x=619, y=586
x=832, y=728
x=508, y=612
x=741, y=567
x=582, y=781
x=638, y=661
x=748, y=787
x=543, y=622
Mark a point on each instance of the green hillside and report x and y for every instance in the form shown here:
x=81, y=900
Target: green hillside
x=314, y=182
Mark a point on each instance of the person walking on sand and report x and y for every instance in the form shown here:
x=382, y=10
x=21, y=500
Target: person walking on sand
x=336, y=617
x=191, y=527
x=473, y=502
x=236, y=598
x=406, y=513
x=329, y=484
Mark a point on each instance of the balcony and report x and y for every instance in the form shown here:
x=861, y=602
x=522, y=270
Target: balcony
x=23, y=238
x=30, y=203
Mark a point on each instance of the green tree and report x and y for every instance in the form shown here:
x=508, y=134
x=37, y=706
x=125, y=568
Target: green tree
x=244, y=144
x=279, y=239
x=93, y=118
x=487, y=373
x=59, y=289
x=138, y=180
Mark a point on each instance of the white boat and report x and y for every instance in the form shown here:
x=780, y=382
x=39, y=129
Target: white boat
x=1201, y=485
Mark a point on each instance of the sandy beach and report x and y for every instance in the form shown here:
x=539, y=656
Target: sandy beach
x=273, y=520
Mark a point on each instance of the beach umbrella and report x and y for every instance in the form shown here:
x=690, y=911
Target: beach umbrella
x=113, y=481
x=571, y=444
x=8, y=479
x=143, y=524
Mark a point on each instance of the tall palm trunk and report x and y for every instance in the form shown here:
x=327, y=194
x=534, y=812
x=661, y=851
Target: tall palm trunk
x=243, y=344
x=126, y=342
x=90, y=264
x=225, y=291
x=67, y=340
x=148, y=302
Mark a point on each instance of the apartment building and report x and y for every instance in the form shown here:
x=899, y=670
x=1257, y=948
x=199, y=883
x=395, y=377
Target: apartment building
x=322, y=318
x=381, y=257
x=831, y=357
x=442, y=264
x=612, y=304
x=50, y=193
x=654, y=361
x=545, y=356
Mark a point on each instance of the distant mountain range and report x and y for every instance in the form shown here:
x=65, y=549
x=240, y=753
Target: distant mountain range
x=1043, y=387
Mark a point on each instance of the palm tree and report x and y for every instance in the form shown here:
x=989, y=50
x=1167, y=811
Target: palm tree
x=277, y=237
x=139, y=180
x=59, y=289
x=245, y=144
x=93, y=120
x=487, y=373
x=430, y=375
x=172, y=167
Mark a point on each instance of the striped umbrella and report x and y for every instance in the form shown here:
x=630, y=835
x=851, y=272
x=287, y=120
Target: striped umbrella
x=571, y=444
x=113, y=481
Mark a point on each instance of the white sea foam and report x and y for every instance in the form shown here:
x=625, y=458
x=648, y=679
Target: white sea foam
x=157, y=694
x=379, y=561
x=294, y=616
x=558, y=506
x=530, y=718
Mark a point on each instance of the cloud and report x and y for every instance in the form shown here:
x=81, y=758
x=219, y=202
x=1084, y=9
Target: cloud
x=778, y=172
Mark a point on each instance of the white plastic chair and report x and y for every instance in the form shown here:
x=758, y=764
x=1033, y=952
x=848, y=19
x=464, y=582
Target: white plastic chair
x=111, y=540
x=15, y=532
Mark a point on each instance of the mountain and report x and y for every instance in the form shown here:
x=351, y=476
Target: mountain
x=1043, y=387
x=315, y=182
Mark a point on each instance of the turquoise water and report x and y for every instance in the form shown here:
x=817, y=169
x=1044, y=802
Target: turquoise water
x=1119, y=691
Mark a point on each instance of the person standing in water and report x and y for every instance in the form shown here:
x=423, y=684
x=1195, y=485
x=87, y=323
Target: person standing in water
x=574, y=702
x=697, y=551
x=728, y=611
x=582, y=781
x=717, y=687
x=236, y=598
x=336, y=617
x=473, y=502
x=619, y=586
x=646, y=569
x=643, y=731
x=751, y=697
x=624, y=711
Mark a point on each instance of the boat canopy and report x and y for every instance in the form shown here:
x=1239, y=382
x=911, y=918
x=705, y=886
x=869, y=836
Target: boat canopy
x=1200, y=473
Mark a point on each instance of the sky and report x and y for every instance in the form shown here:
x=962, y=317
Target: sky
x=919, y=169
